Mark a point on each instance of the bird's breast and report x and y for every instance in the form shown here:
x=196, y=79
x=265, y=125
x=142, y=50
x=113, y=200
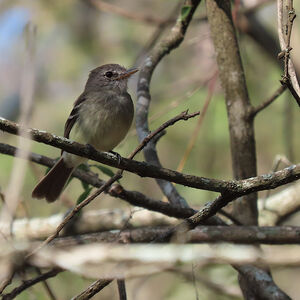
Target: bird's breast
x=104, y=123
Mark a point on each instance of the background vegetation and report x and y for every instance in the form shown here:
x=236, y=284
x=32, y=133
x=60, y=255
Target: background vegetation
x=73, y=37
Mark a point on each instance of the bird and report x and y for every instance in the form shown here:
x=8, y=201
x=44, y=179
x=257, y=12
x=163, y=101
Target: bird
x=101, y=117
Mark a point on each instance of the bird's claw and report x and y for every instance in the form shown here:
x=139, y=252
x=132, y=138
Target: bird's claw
x=119, y=157
x=91, y=147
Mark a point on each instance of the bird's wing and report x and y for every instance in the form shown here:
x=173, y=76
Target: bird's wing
x=73, y=115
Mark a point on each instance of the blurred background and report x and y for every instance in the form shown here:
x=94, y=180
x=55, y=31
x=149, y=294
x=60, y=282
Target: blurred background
x=74, y=37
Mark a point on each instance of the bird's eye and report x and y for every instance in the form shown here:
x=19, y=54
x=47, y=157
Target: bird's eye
x=109, y=74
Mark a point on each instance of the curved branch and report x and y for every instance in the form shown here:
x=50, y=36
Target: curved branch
x=173, y=40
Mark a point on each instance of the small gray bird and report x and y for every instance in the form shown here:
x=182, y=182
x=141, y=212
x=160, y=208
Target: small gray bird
x=101, y=117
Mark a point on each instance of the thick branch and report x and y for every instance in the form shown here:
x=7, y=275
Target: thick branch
x=246, y=186
x=237, y=101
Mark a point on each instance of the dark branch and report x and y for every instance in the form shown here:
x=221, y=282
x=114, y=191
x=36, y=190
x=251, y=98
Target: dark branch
x=28, y=283
x=245, y=186
x=93, y=289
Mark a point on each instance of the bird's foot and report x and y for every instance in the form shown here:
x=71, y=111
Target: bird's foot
x=118, y=156
x=91, y=148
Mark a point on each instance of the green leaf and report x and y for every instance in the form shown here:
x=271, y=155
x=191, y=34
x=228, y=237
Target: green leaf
x=85, y=193
x=185, y=10
x=84, y=167
x=104, y=170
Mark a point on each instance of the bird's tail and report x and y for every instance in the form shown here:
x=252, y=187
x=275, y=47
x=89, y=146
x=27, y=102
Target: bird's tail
x=52, y=184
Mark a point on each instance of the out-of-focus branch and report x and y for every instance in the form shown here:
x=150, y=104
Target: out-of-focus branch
x=90, y=221
x=231, y=291
x=17, y=176
x=159, y=256
x=111, y=8
x=156, y=35
x=276, y=235
x=260, y=107
x=278, y=207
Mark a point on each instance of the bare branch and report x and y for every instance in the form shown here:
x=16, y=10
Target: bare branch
x=159, y=256
x=111, y=8
x=93, y=289
x=279, y=206
x=29, y=283
x=286, y=17
x=172, y=41
x=266, y=103
x=246, y=186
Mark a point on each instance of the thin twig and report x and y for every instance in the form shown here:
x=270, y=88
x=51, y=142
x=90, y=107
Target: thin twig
x=122, y=289
x=260, y=107
x=93, y=289
x=28, y=283
x=156, y=35
x=129, y=14
x=5, y=283
x=46, y=286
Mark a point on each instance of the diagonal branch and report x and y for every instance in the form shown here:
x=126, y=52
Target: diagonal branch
x=29, y=283
x=93, y=289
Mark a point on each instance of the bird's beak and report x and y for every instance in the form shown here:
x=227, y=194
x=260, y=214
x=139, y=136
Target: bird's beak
x=128, y=73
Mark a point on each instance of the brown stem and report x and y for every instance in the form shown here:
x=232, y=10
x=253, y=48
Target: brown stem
x=28, y=283
x=237, y=102
x=93, y=289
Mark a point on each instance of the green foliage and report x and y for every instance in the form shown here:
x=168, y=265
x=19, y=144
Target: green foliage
x=85, y=193
x=185, y=10
x=105, y=170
